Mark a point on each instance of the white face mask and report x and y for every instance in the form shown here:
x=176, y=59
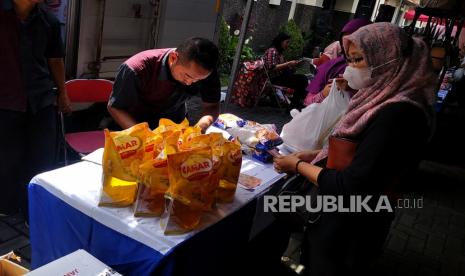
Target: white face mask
x=358, y=78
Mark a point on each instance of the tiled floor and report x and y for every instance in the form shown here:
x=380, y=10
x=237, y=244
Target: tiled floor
x=14, y=236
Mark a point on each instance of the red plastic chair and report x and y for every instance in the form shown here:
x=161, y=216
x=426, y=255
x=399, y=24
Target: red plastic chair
x=85, y=91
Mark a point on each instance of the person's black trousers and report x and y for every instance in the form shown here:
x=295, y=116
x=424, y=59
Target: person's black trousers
x=344, y=243
x=297, y=82
x=28, y=147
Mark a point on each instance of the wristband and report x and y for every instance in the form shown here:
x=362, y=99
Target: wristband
x=297, y=165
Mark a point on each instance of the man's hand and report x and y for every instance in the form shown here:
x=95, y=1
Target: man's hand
x=205, y=122
x=210, y=112
x=64, y=105
x=285, y=164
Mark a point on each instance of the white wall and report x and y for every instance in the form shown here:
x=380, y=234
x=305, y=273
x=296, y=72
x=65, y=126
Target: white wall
x=87, y=35
x=124, y=34
x=185, y=18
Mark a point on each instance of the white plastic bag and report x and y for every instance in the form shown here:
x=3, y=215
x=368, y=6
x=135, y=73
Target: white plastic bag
x=310, y=128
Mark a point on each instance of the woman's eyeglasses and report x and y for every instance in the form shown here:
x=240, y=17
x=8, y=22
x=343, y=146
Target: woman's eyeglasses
x=354, y=60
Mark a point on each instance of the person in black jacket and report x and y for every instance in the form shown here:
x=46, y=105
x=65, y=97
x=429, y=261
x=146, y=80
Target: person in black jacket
x=390, y=119
x=32, y=85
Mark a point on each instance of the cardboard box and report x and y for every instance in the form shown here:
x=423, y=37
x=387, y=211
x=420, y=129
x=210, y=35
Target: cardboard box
x=9, y=268
x=77, y=263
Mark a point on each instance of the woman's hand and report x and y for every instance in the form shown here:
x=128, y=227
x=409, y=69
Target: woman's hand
x=285, y=164
x=306, y=155
x=326, y=90
x=292, y=64
x=342, y=84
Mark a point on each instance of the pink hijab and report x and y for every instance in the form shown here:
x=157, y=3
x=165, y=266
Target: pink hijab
x=333, y=50
x=404, y=79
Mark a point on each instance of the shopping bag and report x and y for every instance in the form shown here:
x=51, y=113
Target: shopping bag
x=310, y=128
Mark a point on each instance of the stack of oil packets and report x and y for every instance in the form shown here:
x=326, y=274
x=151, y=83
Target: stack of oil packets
x=173, y=171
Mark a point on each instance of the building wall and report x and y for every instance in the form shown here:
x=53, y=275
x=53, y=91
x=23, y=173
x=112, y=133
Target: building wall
x=266, y=19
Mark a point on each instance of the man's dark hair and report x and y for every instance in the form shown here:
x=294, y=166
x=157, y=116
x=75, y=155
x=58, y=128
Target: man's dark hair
x=278, y=40
x=200, y=50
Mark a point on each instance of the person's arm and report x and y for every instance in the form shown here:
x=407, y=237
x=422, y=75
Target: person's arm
x=121, y=117
x=290, y=64
x=318, y=85
x=271, y=59
x=55, y=53
x=210, y=112
x=124, y=97
x=57, y=69
x=309, y=171
x=210, y=92
x=318, y=97
x=299, y=163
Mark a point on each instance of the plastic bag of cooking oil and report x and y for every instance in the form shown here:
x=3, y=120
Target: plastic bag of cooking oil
x=197, y=142
x=166, y=124
x=153, y=183
x=122, y=156
x=153, y=178
x=217, y=143
x=189, y=133
x=171, y=144
x=153, y=145
x=232, y=160
x=187, y=195
x=214, y=141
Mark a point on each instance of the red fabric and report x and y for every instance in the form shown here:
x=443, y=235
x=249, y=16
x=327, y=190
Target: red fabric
x=248, y=84
x=91, y=91
x=322, y=59
x=411, y=13
x=86, y=142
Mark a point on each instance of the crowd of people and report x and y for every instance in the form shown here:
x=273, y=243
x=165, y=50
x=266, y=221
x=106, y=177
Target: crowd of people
x=390, y=117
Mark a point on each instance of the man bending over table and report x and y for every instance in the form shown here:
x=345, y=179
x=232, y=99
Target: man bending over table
x=156, y=84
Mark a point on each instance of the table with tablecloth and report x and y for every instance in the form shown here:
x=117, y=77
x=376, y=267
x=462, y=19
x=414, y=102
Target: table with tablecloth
x=65, y=216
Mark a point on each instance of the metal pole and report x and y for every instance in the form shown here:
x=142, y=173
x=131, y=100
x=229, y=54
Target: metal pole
x=397, y=13
x=292, y=11
x=97, y=64
x=237, y=56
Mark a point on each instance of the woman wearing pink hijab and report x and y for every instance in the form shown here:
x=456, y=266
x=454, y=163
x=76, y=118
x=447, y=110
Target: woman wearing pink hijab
x=390, y=118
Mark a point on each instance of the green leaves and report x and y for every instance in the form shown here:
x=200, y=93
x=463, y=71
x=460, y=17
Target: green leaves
x=296, y=44
x=227, y=46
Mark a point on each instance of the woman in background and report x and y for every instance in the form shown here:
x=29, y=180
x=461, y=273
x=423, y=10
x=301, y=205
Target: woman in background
x=282, y=73
x=319, y=87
